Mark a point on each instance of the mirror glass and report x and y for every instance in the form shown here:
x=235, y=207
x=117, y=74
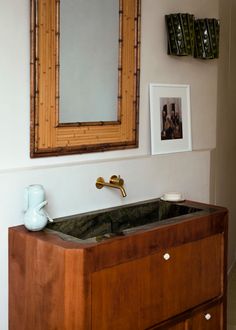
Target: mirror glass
x=89, y=51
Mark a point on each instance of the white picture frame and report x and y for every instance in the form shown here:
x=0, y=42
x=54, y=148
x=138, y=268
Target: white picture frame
x=170, y=118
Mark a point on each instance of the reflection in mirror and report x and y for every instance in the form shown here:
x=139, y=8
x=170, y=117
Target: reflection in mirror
x=54, y=79
x=89, y=50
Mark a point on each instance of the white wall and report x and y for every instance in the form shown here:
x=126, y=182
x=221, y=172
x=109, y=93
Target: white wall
x=70, y=181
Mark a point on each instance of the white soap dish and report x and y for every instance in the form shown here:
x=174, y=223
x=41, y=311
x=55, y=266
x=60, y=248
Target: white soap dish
x=172, y=197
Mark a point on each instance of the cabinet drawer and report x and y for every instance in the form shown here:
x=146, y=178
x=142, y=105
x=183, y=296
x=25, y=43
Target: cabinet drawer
x=144, y=292
x=180, y=326
x=210, y=319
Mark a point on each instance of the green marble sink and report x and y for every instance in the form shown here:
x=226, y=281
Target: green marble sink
x=123, y=220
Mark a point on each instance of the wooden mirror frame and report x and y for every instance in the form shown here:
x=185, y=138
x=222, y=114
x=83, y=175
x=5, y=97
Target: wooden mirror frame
x=48, y=137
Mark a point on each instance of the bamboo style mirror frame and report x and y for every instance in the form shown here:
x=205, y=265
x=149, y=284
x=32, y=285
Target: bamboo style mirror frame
x=49, y=137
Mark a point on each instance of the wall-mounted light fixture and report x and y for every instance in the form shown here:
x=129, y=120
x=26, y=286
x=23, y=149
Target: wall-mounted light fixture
x=189, y=36
x=180, y=33
x=207, y=32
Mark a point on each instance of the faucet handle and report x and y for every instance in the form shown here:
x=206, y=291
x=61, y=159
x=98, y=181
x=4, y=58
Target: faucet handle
x=100, y=183
x=114, y=179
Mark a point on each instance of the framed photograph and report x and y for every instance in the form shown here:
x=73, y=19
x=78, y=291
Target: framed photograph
x=170, y=118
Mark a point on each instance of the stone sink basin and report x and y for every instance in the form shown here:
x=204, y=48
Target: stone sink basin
x=123, y=220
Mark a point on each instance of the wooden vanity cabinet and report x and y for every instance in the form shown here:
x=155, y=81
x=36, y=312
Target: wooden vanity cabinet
x=172, y=276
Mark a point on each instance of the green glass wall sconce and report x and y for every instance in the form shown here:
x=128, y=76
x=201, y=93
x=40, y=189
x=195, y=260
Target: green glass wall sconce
x=207, y=32
x=180, y=34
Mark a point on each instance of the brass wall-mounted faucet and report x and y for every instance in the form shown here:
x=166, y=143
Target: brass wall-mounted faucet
x=114, y=182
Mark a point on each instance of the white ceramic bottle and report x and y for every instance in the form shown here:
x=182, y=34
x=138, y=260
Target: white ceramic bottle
x=35, y=217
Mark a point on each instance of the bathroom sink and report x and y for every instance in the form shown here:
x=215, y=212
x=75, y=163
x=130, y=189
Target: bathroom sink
x=118, y=221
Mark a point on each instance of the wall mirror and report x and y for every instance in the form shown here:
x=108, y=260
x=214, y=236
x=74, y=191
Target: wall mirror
x=84, y=76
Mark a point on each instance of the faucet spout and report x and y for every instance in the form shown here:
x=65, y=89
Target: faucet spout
x=123, y=192
x=115, y=182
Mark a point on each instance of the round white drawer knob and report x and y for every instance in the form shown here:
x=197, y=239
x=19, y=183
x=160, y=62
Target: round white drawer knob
x=208, y=316
x=166, y=256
